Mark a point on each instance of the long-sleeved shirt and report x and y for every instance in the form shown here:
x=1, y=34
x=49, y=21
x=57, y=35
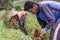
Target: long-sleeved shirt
x=47, y=15
x=53, y=4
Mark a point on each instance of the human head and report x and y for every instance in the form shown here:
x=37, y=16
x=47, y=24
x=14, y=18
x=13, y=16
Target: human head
x=31, y=7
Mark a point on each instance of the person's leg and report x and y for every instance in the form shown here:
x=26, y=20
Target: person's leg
x=53, y=31
x=21, y=24
x=56, y=33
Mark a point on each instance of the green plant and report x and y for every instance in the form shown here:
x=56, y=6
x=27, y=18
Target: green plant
x=18, y=8
x=6, y=4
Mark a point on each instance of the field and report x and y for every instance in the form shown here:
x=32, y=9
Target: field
x=16, y=34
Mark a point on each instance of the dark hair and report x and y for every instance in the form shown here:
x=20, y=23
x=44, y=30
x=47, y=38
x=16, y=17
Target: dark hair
x=28, y=5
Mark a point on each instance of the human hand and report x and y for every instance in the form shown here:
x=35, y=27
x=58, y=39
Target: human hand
x=43, y=31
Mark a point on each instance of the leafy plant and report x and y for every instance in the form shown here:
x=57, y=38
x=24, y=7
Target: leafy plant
x=18, y=8
x=5, y=4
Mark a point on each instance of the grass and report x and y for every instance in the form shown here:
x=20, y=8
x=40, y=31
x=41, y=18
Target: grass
x=16, y=34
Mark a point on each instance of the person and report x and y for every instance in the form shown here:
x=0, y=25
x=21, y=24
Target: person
x=47, y=13
x=20, y=17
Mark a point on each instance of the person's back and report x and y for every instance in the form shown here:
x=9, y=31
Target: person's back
x=53, y=4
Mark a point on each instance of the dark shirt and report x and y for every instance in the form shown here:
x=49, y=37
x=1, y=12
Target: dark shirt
x=47, y=15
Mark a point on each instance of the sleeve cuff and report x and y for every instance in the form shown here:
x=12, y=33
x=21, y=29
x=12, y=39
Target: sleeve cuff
x=46, y=27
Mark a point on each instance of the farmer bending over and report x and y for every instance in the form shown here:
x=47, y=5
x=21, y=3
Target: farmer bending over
x=20, y=17
x=47, y=13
